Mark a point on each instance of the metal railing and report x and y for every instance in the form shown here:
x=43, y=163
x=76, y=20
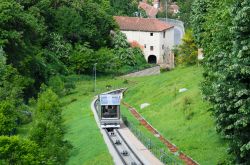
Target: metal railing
x=160, y=153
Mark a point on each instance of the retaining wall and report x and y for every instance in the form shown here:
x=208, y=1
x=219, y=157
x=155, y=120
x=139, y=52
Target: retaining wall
x=146, y=72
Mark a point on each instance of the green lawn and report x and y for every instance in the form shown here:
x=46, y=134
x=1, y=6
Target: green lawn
x=82, y=131
x=81, y=128
x=183, y=118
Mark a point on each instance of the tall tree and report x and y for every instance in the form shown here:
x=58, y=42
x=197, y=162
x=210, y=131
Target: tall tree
x=11, y=86
x=124, y=7
x=15, y=150
x=185, y=12
x=47, y=129
x=223, y=29
x=198, y=17
x=237, y=128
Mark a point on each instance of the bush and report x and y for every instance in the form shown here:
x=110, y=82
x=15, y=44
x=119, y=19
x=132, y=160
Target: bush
x=61, y=85
x=187, y=52
x=57, y=85
x=15, y=150
x=187, y=101
x=47, y=130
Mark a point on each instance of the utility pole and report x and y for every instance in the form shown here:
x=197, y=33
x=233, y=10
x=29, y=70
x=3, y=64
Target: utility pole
x=95, y=77
x=166, y=6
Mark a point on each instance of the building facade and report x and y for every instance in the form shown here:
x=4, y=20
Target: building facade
x=156, y=38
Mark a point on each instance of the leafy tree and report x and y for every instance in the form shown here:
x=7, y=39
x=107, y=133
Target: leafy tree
x=15, y=150
x=11, y=85
x=140, y=60
x=81, y=60
x=68, y=23
x=185, y=12
x=60, y=48
x=187, y=52
x=237, y=127
x=198, y=17
x=120, y=40
x=82, y=25
x=227, y=68
x=124, y=7
x=107, y=61
x=122, y=49
x=57, y=85
x=47, y=129
x=8, y=117
x=48, y=106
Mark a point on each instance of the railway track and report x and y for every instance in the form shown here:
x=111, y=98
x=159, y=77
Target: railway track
x=126, y=154
x=123, y=150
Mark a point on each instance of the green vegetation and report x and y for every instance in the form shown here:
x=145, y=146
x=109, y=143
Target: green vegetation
x=48, y=42
x=183, y=118
x=47, y=130
x=42, y=44
x=124, y=7
x=18, y=151
x=185, y=12
x=222, y=29
x=156, y=145
x=82, y=130
x=187, y=52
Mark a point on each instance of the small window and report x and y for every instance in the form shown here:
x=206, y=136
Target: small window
x=162, y=46
x=164, y=33
x=151, y=34
x=151, y=48
x=145, y=46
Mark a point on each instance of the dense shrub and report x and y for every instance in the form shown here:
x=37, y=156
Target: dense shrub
x=15, y=150
x=47, y=130
x=187, y=52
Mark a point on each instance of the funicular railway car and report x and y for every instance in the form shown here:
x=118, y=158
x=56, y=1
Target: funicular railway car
x=109, y=110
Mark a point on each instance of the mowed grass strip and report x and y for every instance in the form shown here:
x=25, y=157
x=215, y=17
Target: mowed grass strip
x=81, y=129
x=183, y=118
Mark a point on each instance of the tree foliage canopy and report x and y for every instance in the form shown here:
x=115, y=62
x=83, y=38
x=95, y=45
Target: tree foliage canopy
x=42, y=42
x=15, y=150
x=222, y=29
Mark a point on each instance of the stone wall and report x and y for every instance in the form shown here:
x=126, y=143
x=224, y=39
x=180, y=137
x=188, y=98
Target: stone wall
x=146, y=72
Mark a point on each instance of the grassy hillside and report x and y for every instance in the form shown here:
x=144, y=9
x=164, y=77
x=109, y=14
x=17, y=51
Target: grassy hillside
x=183, y=118
x=81, y=128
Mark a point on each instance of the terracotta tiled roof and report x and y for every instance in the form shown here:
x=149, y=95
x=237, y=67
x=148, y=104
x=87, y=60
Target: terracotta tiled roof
x=174, y=7
x=150, y=10
x=141, y=24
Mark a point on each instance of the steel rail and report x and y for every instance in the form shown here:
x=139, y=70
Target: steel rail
x=116, y=149
x=124, y=144
x=135, y=155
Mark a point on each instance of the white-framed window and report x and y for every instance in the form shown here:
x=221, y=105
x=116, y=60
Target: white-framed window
x=151, y=48
x=145, y=46
x=151, y=34
x=164, y=34
x=162, y=46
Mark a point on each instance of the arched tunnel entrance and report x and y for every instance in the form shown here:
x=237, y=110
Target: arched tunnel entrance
x=152, y=59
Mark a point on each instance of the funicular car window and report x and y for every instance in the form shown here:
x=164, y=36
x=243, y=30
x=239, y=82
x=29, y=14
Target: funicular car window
x=109, y=111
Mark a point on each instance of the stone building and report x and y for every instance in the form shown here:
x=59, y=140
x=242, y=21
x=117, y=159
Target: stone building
x=155, y=37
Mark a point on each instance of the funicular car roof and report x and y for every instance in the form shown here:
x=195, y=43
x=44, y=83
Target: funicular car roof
x=110, y=99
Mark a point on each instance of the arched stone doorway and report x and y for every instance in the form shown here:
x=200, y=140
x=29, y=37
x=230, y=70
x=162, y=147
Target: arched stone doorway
x=152, y=59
